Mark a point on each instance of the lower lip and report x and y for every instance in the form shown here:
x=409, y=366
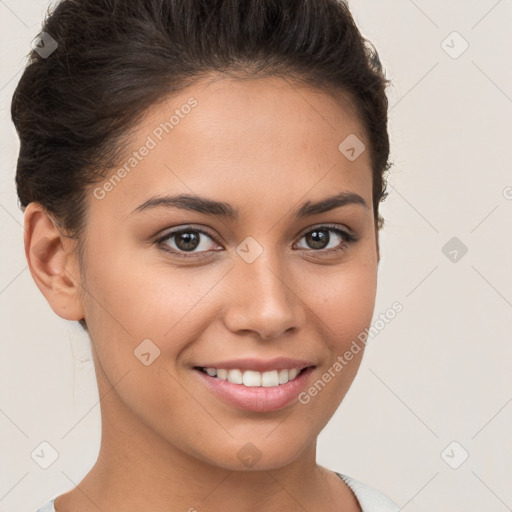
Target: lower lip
x=256, y=398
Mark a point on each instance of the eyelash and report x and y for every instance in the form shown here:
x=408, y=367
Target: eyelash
x=348, y=239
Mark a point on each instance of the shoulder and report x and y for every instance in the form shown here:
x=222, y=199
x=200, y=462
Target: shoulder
x=370, y=499
x=48, y=507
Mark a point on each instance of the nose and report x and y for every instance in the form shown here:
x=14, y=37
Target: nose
x=263, y=299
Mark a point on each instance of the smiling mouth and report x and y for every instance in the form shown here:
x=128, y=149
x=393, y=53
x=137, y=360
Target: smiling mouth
x=253, y=378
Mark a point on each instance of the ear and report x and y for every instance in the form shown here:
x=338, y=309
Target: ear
x=52, y=264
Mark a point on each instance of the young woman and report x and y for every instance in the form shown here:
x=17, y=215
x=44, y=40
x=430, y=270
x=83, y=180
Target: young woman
x=201, y=184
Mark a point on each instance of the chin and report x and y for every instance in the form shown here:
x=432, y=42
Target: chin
x=258, y=453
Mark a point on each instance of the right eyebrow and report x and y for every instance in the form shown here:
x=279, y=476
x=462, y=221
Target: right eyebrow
x=194, y=203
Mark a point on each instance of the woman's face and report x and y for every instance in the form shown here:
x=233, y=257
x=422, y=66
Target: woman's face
x=261, y=281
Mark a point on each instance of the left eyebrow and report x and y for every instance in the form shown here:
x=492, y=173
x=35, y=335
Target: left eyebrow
x=222, y=209
x=342, y=199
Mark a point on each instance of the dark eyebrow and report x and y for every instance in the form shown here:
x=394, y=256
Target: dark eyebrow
x=221, y=209
x=342, y=199
x=194, y=203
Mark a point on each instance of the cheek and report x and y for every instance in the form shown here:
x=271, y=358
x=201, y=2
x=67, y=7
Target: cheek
x=136, y=297
x=138, y=300
x=343, y=307
x=344, y=302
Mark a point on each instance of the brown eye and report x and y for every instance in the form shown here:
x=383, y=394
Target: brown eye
x=187, y=240
x=183, y=241
x=320, y=238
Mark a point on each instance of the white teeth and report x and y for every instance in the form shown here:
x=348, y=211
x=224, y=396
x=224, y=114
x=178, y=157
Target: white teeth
x=283, y=376
x=235, y=376
x=252, y=378
x=269, y=379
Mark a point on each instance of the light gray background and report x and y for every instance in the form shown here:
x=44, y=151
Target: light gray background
x=438, y=373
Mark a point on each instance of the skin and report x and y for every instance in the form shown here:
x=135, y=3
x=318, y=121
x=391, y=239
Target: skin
x=168, y=443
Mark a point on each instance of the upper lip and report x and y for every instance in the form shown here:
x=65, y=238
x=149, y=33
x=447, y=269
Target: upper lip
x=261, y=365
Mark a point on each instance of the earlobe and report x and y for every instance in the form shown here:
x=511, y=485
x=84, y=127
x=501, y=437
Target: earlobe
x=52, y=263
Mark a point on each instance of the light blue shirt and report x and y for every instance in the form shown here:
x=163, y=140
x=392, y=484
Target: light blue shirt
x=370, y=499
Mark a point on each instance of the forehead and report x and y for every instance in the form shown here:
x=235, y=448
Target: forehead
x=270, y=110
x=222, y=137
